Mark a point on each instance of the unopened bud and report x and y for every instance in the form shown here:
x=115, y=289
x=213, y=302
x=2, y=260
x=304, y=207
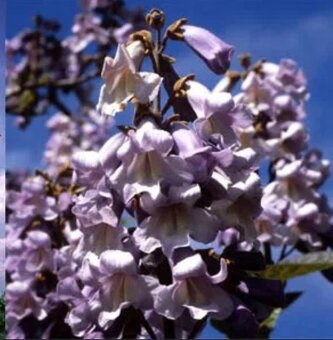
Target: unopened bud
x=155, y=18
x=245, y=60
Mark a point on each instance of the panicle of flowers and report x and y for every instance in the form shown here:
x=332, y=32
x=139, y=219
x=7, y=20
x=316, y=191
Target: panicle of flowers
x=179, y=181
x=154, y=230
x=38, y=215
x=293, y=211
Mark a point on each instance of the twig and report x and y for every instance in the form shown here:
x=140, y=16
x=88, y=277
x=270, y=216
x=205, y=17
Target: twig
x=166, y=106
x=62, y=83
x=157, y=58
x=54, y=100
x=268, y=253
x=285, y=253
x=145, y=324
x=163, y=43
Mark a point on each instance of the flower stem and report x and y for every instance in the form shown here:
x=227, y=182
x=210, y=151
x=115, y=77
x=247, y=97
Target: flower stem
x=146, y=325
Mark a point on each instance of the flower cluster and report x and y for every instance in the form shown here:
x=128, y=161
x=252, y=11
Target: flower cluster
x=275, y=95
x=152, y=231
x=293, y=209
x=181, y=183
x=69, y=135
x=38, y=214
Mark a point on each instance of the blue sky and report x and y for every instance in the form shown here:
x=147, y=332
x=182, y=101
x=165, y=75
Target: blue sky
x=299, y=29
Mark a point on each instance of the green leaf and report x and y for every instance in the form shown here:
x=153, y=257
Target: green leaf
x=268, y=325
x=291, y=297
x=301, y=265
x=27, y=99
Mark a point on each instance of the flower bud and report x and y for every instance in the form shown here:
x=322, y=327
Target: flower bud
x=214, y=51
x=155, y=18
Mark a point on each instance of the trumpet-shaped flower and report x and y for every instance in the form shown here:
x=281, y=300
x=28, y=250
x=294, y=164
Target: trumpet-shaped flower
x=124, y=83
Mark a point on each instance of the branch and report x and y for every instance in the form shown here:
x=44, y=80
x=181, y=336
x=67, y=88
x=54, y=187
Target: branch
x=62, y=83
x=146, y=325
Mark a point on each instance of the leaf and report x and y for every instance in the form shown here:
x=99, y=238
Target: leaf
x=242, y=324
x=291, y=297
x=268, y=325
x=27, y=99
x=301, y=265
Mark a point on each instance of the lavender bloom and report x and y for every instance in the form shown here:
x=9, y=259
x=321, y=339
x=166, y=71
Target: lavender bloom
x=287, y=77
x=93, y=209
x=38, y=255
x=276, y=98
x=291, y=207
x=32, y=201
x=124, y=83
x=86, y=29
x=190, y=147
x=87, y=168
x=82, y=318
x=21, y=301
x=103, y=237
x=239, y=208
x=213, y=51
x=69, y=136
x=217, y=118
x=147, y=164
x=173, y=219
x=120, y=285
x=124, y=226
x=194, y=289
x=110, y=154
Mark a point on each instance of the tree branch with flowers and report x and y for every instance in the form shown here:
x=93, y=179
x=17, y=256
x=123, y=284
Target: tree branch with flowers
x=165, y=225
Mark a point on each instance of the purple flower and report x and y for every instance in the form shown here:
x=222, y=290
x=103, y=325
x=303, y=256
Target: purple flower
x=82, y=317
x=194, y=289
x=217, y=117
x=239, y=207
x=87, y=168
x=38, y=255
x=147, y=164
x=120, y=285
x=214, y=51
x=287, y=77
x=124, y=83
x=32, y=201
x=92, y=209
x=86, y=29
x=21, y=300
x=174, y=219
